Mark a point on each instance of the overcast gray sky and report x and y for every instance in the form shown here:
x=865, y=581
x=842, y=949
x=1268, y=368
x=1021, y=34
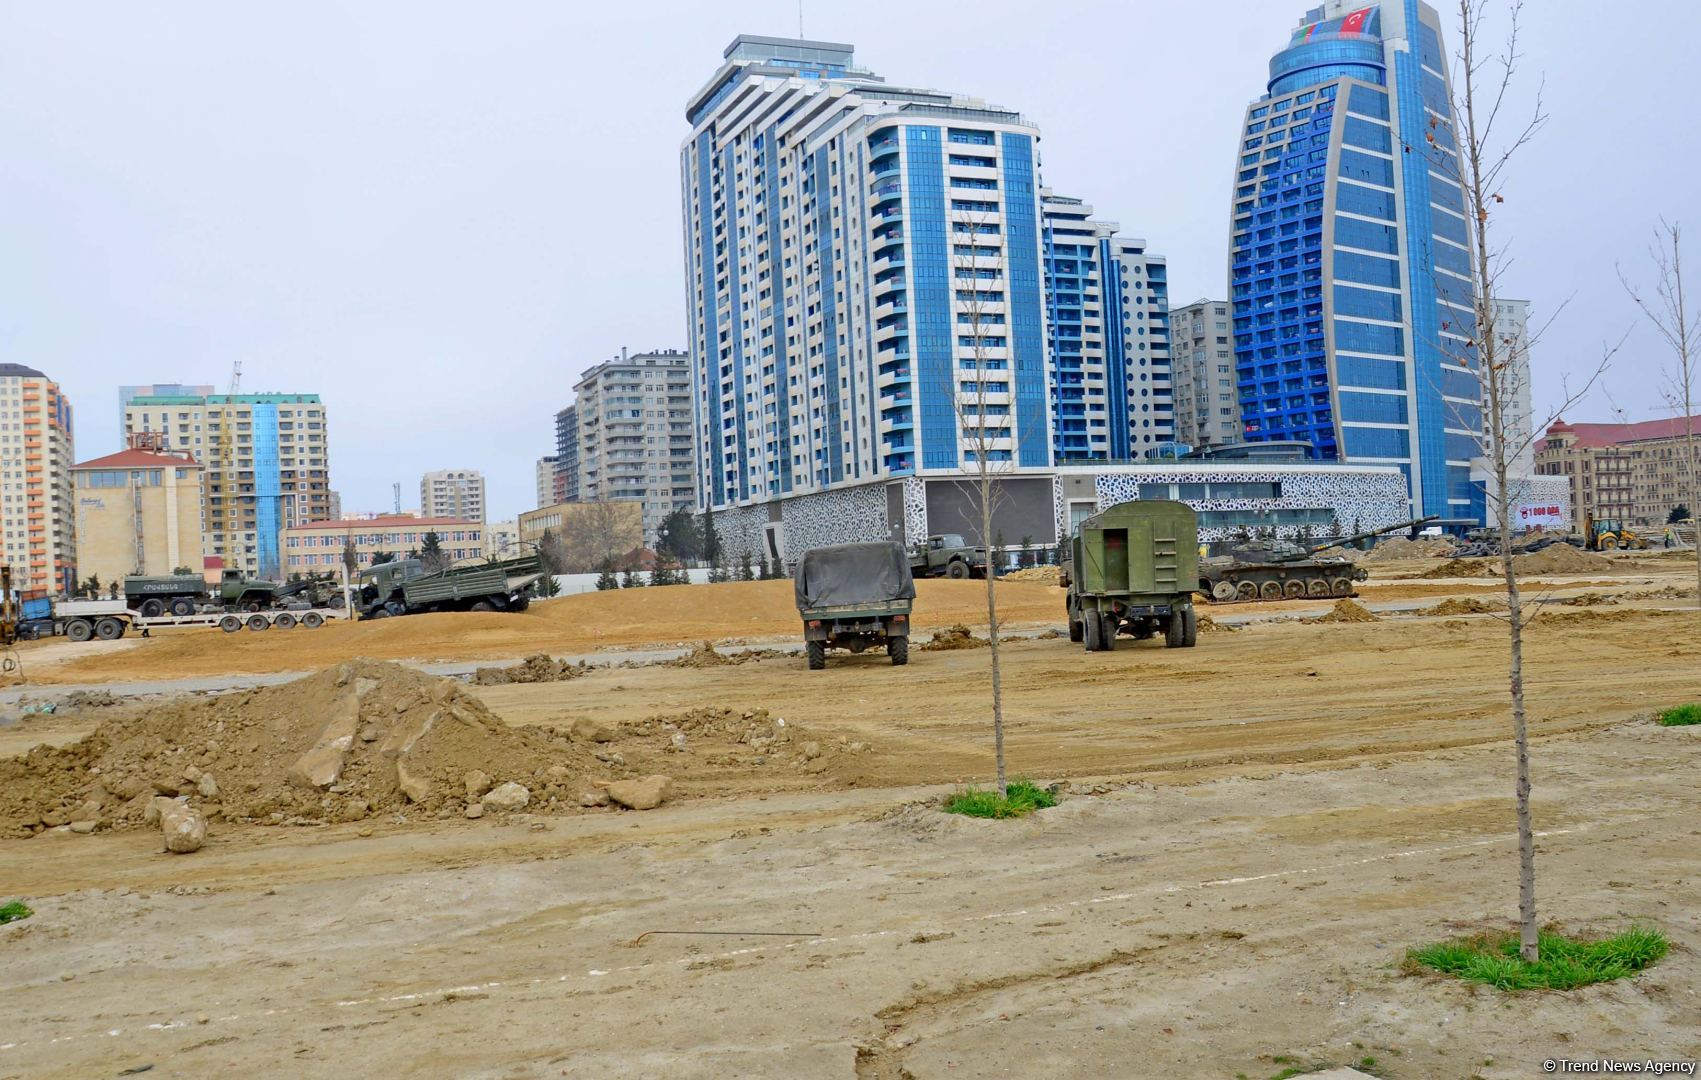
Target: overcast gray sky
x=437, y=214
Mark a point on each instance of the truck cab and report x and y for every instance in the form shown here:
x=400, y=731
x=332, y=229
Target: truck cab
x=948, y=555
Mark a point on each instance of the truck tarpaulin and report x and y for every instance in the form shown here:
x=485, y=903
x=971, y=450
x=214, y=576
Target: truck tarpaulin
x=853, y=574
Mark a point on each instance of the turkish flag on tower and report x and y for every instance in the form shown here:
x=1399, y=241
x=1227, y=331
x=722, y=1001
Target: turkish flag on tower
x=1354, y=23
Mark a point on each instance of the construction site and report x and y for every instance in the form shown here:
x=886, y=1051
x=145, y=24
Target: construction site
x=632, y=833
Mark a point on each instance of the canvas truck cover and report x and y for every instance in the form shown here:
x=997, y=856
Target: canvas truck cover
x=853, y=574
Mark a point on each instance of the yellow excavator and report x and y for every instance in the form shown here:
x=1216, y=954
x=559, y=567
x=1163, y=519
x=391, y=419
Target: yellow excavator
x=8, y=610
x=1609, y=534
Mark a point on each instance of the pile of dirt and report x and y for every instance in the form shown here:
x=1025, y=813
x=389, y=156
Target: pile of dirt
x=952, y=638
x=355, y=740
x=1044, y=575
x=1344, y=611
x=719, y=737
x=1208, y=625
x=1400, y=548
x=1670, y=592
x=1458, y=568
x=1470, y=605
x=1574, y=618
x=1561, y=559
x=537, y=668
x=704, y=655
x=1590, y=599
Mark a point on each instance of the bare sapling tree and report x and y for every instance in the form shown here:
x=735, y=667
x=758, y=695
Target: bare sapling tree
x=1667, y=311
x=982, y=397
x=1487, y=142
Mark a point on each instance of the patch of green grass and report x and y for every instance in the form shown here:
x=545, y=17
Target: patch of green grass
x=1024, y=797
x=1365, y=1065
x=1682, y=716
x=1565, y=964
x=14, y=911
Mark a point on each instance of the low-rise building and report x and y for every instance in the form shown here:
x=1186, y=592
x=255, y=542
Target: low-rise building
x=1633, y=473
x=138, y=512
x=317, y=547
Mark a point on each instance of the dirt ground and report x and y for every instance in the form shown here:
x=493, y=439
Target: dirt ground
x=1252, y=833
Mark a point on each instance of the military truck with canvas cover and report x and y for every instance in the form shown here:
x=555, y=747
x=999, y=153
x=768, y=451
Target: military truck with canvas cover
x=855, y=596
x=1132, y=570
x=948, y=555
x=404, y=587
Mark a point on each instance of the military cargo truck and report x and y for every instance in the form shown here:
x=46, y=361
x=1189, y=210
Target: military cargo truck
x=1132, y=570
x=854, y=596
x=179, y=594
x=404, y=587
x=947, y=555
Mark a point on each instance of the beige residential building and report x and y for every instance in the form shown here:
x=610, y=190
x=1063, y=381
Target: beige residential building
x=266, y=462
x=1201, y=349
x=317, y=546
x=1633, y=473
x=37, y=519
x=452, y=493
x=502, y=539
x=635, y=434
x=138, y=512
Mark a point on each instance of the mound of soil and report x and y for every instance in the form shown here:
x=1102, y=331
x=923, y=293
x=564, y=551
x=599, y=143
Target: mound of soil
x=1561, y=559
x=1399, y=547
x=1344, y=611
x=1670, y=592
x=952, y=638
x=1590, y=599
x=1044, y=575
x=1208, y=625
x=537, y=668
x=704, y=655
x=359, y=739
x=1469, y=605
x=1458, y=568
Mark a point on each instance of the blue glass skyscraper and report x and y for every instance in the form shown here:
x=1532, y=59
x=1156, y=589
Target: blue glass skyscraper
x=1350, y=272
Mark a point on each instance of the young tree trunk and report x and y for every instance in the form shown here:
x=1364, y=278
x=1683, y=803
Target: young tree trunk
x=992, y=632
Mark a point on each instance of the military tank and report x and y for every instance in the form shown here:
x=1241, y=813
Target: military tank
x=1272, y=570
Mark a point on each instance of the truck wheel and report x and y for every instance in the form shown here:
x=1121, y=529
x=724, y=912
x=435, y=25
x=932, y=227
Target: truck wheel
x=182, y=606
x=286, y=621
x=1190, y=637
x=1092, y=631
x=1077, y=631
x=1175, y=637
x=817, y=651
x=379, y=613
x=898, y=648
x=313, y=620
x=1107, y=636
x=109, y=629
x=483, y=605
x=152, y=608
x=258, y=623
x=958, y=569
x=230, y=624
x=79, y=630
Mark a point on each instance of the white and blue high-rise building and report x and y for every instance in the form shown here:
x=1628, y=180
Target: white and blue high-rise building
x=864, y=276
x=1107, y=306
x=1350, y=270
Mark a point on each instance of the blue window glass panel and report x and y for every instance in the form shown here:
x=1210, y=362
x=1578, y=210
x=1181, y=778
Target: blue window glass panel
x=1367, y=269
x=1370, y=202
x=1368, y=135
x=1364, y=338
x=1444, y=193
x=1448, y=257
x=1461, y=415
x=1372, y=170
x=1376, y=442
x=1429, y=48
x=1453, y=290
x=1435, y=94
x=1026, y=313
x=1462, y=447
x=929, y=270
x=1351, y=232
x=1460, y=384
x=1368, y=102
x=1367, y=303
x=782, y=364
x=1373, y=374
x=1372, y=408
x=1450, y=227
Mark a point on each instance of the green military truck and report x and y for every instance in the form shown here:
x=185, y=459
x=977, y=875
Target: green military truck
x=1132, y=570
x=404, y=587
x=186, y=594
x=854, y=596
x=947, y=555
x=176, y=594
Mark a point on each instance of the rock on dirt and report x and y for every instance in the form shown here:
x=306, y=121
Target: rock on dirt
x=593, y=798
x=508, y=796
x=537, y=668
x=644, y=793
x=1344, y=611
x=585, y=729
x=952, y=638
x=185, y=828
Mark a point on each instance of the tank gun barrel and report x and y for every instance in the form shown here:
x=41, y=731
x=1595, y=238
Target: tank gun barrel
x=1415, y=523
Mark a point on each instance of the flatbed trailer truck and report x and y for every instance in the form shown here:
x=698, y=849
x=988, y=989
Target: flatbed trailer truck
x=109, y=620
